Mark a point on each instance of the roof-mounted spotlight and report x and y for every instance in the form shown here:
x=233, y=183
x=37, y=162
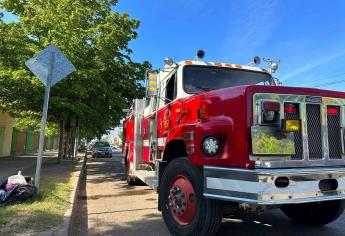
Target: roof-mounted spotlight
x=168, y=61
x=273, y=65
x=256, y=61
x=199, y=55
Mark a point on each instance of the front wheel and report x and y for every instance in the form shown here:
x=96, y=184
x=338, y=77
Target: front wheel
x=185, y=210
x=315, y=213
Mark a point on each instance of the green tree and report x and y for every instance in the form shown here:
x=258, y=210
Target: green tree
x=94, y=38
x=33, y=120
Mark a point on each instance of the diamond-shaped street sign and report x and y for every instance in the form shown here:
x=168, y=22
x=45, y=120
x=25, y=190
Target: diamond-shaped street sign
x=39, y=65
x=50, y=66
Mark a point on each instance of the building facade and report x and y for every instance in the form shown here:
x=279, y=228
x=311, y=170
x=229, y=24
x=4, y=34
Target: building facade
x=15, y=142
x=6, y=129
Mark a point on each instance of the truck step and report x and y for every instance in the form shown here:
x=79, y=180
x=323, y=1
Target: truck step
x=148, y=177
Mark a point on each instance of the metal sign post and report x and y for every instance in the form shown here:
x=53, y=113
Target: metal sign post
x=43, y=122
x=50, y=66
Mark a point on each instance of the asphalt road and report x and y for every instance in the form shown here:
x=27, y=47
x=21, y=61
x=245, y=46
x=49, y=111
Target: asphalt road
x=111, y=207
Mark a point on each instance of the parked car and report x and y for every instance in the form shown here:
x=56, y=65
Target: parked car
x=101, y=149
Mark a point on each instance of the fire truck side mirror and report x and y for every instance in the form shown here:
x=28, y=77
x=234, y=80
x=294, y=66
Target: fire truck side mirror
x=126, y=110
x=152, y=84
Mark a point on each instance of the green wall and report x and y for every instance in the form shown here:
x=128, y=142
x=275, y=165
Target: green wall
x=29, y=140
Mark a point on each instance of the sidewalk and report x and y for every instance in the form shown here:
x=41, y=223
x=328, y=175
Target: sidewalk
x=11, y=165
x=108, y=206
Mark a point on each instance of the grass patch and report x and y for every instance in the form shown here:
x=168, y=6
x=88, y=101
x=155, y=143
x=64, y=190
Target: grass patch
x=42, y=213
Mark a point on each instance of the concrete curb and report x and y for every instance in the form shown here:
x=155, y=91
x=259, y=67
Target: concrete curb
x=69, y=214
x=81, y=180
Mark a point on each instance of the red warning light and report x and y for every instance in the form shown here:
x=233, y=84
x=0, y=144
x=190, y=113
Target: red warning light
x=290, y=108
x=332, y=111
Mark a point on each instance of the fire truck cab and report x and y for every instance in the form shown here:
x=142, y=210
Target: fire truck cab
x=213, y=138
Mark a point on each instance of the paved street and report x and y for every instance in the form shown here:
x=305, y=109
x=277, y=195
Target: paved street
x=11, y=165
x=110, y=207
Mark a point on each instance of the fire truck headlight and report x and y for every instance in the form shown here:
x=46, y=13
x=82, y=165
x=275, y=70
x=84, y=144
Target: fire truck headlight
x=210, y=146
x=269, y=116
x=270, y=113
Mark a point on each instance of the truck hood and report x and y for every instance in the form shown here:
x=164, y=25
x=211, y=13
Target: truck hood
x=244, y=95
x=252, y=89
x=231, y=109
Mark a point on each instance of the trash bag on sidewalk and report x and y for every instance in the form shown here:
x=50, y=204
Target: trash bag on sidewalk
x=18, y=179
x=11, y=193
x=2, y=193
x=4, y=198
x=20, y=194
x=9, y=187
x=3, y=181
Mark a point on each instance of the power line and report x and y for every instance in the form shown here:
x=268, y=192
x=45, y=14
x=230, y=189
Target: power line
x=322, y=78
x=330, y=83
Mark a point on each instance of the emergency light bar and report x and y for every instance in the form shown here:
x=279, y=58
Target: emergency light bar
x=152, y=84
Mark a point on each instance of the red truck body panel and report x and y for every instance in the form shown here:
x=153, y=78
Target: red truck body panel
x=230, y=119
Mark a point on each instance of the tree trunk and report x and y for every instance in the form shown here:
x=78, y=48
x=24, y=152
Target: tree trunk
x=72, y=143
x=61, y=140
x=66, y=146
x=76, y=142
x=73, y=125
x=69, y=142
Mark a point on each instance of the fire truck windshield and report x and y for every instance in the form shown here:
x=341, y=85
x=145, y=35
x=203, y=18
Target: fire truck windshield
x=198, y=79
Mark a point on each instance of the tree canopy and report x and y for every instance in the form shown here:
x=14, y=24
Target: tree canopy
x=94, y=38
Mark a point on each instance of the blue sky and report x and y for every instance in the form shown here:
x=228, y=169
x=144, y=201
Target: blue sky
x=307, y=36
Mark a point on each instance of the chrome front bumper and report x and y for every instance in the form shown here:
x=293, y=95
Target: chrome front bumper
x=258, y=186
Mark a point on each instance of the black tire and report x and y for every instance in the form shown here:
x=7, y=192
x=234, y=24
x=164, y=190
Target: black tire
x=131, y=179
x=315, y=213
x=208, y=213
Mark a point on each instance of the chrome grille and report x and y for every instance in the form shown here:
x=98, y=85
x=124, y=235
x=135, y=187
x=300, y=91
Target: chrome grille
x=334, y=134
x=297, y=135
x=314, y=131
x=321, y=141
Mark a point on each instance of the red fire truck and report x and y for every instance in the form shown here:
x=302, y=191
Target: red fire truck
x=213, y=138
